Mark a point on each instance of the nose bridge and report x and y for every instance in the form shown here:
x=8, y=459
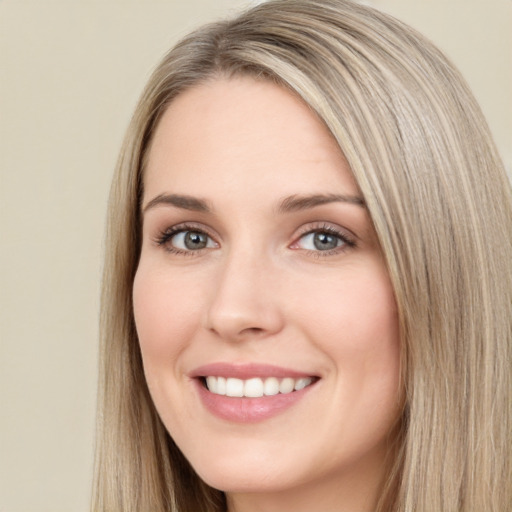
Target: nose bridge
x=244, y=301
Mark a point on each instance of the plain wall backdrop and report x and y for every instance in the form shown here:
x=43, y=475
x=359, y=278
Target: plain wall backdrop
x=70, y=74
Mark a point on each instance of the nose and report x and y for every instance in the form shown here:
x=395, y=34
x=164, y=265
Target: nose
x=245, y=301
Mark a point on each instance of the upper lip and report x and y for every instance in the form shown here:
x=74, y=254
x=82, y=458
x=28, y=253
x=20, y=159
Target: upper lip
x=246, y=371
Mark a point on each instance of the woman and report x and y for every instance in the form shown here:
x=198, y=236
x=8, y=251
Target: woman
x=307, y=294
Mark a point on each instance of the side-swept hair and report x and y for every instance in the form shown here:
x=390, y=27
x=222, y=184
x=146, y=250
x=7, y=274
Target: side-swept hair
x=439, y=199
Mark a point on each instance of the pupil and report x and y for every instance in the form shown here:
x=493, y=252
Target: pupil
x=195, y=241
x=324, y=241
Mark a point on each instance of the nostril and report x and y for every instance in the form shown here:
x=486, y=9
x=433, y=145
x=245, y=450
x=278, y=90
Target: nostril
x=254, y=330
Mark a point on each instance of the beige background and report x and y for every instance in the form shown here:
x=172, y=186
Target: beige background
x=70, y=73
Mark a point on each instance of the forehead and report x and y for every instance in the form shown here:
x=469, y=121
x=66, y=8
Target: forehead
x=242, y=131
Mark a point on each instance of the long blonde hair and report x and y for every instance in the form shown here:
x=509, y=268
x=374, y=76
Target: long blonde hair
x=441, y=205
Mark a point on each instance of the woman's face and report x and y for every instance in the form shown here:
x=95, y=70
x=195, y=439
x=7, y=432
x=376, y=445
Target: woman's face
x=266, y=319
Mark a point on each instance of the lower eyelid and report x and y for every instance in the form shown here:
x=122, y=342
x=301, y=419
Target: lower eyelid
x=165, y=238
x=345, y=240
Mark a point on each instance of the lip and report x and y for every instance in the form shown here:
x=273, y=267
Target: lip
x=247, y=410
x=246, y=371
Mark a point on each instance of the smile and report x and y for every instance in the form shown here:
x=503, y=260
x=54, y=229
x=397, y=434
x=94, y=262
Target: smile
x=255, y=387
x=249, y=393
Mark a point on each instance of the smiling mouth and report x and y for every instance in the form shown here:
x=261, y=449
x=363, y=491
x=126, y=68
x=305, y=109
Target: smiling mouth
x=255, y=387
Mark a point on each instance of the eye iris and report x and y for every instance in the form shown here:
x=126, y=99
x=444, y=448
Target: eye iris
x=324, y=241
x=194, y=240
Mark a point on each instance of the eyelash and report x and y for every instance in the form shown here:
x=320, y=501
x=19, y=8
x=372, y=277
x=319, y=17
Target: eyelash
x=165, y=236
x=348, y=241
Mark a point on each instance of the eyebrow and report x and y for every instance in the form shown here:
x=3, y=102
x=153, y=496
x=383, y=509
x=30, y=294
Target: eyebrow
x=180, y=201
x=287, y=205
x=297, y=203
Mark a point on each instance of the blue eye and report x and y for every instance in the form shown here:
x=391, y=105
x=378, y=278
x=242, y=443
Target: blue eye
x=183, y=240
x=326, y=239
x=191, y=241
x=320, y=241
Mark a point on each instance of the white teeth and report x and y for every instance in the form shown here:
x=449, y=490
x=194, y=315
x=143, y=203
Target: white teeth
x=221, y=385
x=287, y=385
x=211, y=384
x=234, y=387
x=271, y=386
x=302, y=383
x=255, y=387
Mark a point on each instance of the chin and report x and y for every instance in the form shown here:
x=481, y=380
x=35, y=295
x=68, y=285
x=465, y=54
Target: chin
x=244, y=477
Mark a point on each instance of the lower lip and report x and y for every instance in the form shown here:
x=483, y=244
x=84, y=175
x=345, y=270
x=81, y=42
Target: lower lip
x=248, y=410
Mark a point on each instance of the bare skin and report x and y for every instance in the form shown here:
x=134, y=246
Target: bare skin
x=258, y=250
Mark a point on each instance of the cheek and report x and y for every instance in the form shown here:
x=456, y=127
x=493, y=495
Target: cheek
x=355, y=322
x=356, y=314
x=363, y=344
x=166, y=315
